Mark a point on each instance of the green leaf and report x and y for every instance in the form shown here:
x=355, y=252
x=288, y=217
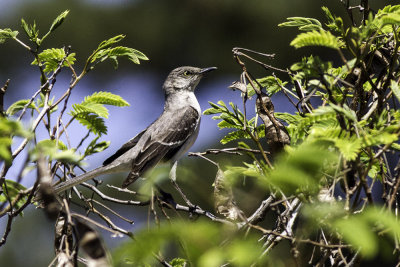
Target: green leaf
x=232, y=136
x=59, y=20
x=304, y=24
x=89, y=107
x=200, y=241
x=55, y=151
x=317, y=38
x=349, y=147
x=95, y=147
x=120, y=51
x=67, y=156
x=92, y=122
x=88, y=112
x=10, y=192
x=5, y=149
x=7, y=34
x=19, y=105
x=15, y=128
x=395, y=146
x=51, y=58
x=334, y=23
x=106, y=98
x=110, y=42
x=287, y=117
x=178, y=262
x=357, y=231
x=272, y=84
x=302, y=169
x=132, y=54
x=30, y=30
x=390, y=19
x=395, y=89
x=211, y=111
x=49, y=144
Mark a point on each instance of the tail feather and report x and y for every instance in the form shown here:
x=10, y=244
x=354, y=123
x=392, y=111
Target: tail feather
x=82, y=178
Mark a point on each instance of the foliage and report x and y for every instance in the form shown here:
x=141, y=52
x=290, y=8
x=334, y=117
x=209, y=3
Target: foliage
x=343, y=143
x=51, y=58
x=91, y=111
x=54, y=157
x=329, y=195
x=200, y=242
x=234, y=120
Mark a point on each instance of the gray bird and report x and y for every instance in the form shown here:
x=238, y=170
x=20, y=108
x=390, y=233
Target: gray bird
x=166, y=139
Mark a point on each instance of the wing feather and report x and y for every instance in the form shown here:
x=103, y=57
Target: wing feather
x=167, y=136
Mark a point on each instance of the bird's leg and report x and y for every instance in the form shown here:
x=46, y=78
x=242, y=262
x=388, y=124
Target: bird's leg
x=172, y=176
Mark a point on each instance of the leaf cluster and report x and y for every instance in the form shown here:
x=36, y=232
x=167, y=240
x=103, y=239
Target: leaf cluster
x=107, y=50
x=91, y=111
x=234, y=119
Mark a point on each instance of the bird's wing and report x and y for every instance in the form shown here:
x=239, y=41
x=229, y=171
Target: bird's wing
x=128, y=145
x=165, y=137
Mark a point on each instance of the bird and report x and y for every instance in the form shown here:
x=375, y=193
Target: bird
x=164, y=140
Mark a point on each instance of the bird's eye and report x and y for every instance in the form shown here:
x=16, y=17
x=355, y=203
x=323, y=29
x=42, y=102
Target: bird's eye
x=187, y=73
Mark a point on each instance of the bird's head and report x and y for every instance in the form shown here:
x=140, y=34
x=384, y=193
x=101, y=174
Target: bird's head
x=184, y=78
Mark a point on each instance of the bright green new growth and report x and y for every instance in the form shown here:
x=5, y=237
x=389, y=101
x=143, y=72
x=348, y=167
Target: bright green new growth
x=91, y=111
x=57, y=151
x=342, y=145
x=234, y=120
x=51, y=58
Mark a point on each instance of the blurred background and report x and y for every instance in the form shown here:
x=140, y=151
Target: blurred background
x=171, y=33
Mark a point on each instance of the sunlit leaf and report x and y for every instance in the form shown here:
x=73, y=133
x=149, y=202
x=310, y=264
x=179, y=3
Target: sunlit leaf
x=317, y=38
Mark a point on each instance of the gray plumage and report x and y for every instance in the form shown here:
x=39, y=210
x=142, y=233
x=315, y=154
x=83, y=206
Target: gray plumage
x=166, y=139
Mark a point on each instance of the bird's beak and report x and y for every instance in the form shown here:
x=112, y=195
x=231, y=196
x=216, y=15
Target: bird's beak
x=202, y=71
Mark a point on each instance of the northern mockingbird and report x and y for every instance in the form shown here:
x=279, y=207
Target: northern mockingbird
x=166, y=139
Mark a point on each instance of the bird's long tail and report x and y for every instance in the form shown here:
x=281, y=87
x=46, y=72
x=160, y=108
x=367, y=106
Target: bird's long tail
x=82, y=178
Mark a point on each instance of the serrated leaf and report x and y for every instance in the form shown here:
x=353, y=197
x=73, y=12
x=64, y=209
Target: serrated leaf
x=51, y=58
x=317, y=38
x=304, y=24
x=232, y=136
x=349, y=147
x=19, y=105
x=389, y=19
x=93, y=123
x=346, y=111
x=105, y=51
x=89, y=107
x=59, y=20
x=287, y=117
x=110, y=42
x=131, y=53
x=106, y=98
